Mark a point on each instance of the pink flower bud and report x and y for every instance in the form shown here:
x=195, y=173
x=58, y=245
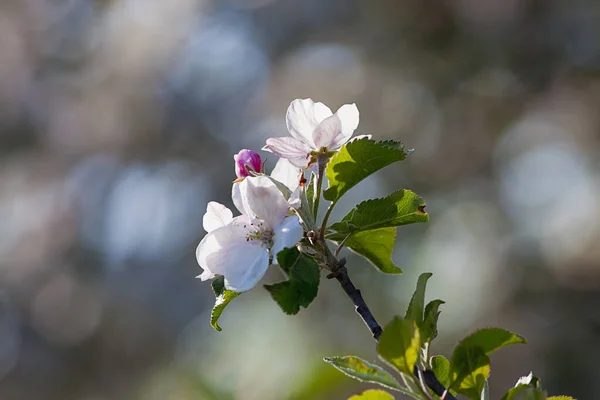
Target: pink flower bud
x=245, y=160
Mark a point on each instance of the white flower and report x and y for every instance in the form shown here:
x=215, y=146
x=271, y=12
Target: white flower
x=240, y=248
x=313, y=126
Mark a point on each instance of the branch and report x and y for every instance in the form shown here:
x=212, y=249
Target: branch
x=340, y=273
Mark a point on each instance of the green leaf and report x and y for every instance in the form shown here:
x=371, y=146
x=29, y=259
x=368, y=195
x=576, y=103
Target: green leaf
x=223, y=298
x=399, y=208
x=417, y=302
x=362, y=370
x=441, y=368
x=527, y=392
x=303, y=283
x=399, y=344
x=375, y=245
x=491, y=339
x=372, y=394
x=426, y=317
x=534, y=394
x=561, y=398
x=430, y=319
x=526, y=385
x=469, y=367
x=513, y=392
x=357, y=160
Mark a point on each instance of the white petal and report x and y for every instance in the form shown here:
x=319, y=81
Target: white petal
x=294, y=200
x=206, y=275
x=252, y=265
x=263, y=200
x=303, y=116
x=286, y=173
x=217, y=215
x=225, y=251
x=286, y=147
x=215, y=241
x=287, y=235
x=349, y=117
x=236, y=196
x=326, y=131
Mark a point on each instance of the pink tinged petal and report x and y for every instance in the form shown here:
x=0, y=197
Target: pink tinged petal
x=303, y=116
x=286, y=173
x=286, y=147
x=225, y=251
x=246, y=159
x=263, y=200
x=349, y=117
x=217, y=216
x=287, y=235
x=326, y=131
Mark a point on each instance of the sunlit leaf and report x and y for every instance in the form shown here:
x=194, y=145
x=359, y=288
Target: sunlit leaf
x=441, y=368
x=363, y=370
x=357, y=160
x=492, y=339
x=469, y=367
x=399, y=344
x=399, y=208
x=372, y=394
x=223, y=298
x=375, y=245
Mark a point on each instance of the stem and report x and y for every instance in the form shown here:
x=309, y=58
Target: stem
x=340, y=273
x=325, y=218
x=421, y=381
x=318, y=187
x=341, y=245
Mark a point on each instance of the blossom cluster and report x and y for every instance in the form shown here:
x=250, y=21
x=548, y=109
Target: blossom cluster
x=241, y=248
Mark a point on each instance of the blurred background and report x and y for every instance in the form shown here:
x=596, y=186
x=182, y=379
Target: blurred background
x=118, y=123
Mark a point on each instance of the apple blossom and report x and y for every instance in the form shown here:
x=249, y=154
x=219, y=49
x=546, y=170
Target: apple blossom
x=313, y=127
x=245, y=159
x=241, y=248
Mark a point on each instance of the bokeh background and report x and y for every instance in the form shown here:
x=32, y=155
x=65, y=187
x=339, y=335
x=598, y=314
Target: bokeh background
x=118, y=122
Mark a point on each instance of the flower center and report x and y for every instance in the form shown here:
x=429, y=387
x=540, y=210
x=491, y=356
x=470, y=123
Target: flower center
x=258, y=231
